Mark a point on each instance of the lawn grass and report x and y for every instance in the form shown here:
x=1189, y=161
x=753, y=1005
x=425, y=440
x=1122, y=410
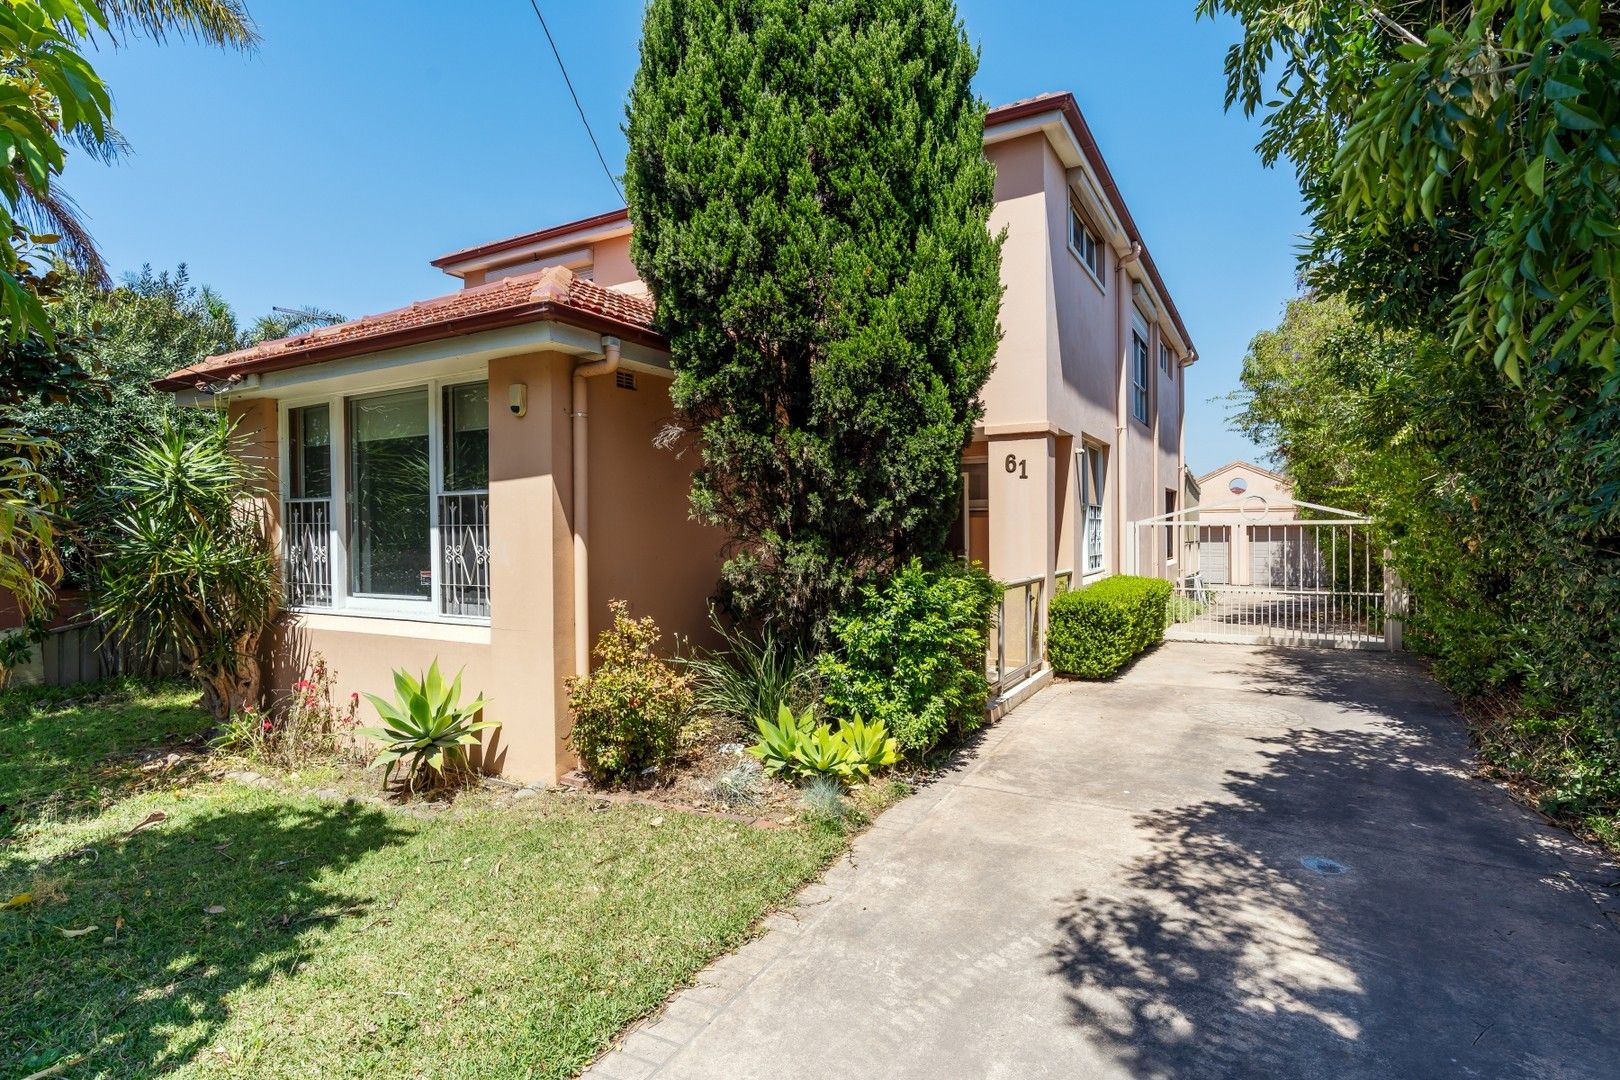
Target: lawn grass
x=262, y=932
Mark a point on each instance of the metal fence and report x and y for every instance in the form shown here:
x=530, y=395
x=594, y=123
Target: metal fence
x=1015, y=644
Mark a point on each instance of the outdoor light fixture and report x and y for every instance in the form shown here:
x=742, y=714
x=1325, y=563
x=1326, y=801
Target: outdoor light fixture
x=518, y=397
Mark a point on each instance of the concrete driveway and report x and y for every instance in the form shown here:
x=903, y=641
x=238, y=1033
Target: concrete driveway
x=1230, y=862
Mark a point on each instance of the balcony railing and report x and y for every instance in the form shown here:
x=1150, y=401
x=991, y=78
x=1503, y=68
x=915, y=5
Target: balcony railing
x=464, y=540
x=307, y=575
x=1015, y=644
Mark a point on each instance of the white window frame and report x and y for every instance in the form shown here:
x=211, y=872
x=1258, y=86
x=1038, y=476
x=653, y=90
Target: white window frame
x=1167, y=360
x=1092, y=467
x=345, y=602
x=1141, y=388
x=1172, y=539
x=1088, y=247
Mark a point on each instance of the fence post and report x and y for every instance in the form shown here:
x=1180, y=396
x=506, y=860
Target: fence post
x=1394, y=606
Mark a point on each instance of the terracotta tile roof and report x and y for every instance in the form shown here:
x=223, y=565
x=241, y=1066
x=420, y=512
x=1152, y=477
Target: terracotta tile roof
x=551, y=232
x=553, y=294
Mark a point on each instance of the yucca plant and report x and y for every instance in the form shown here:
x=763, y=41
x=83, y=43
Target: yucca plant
x=425, y=726
x=187, y=567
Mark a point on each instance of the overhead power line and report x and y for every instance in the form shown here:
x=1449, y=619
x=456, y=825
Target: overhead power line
x=577, y=106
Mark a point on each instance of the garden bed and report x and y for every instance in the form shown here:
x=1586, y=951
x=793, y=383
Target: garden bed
x=280, y=922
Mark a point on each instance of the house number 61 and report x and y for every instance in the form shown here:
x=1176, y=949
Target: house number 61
x=1016, y=464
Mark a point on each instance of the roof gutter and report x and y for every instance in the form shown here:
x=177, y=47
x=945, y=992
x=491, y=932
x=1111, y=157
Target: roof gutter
x=541, y=311
x=1070, y=111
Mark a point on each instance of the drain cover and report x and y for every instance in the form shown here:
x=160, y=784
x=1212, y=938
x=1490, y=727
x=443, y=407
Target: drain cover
x=1321, y=865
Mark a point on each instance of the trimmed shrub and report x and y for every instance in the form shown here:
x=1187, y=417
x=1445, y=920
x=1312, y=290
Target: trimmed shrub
x=1094, y=631
x=910, y=653
x=629, y=711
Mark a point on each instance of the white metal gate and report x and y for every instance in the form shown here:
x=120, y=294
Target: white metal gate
x=1257, y=572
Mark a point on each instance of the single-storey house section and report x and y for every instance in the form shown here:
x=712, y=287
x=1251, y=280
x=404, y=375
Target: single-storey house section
x=473, y=478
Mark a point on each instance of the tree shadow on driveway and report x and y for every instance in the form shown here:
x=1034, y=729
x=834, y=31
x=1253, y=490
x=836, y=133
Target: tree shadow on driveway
x=1358, y=906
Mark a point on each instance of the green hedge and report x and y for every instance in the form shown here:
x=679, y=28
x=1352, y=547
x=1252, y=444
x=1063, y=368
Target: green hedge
x=910, y=652
x=1094, y=631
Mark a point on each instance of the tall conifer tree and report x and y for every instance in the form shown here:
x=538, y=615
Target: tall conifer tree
x=811, y=202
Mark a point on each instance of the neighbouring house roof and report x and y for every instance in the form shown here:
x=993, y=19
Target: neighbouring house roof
x=553, y=294
x=1242, y=464
x=539, y=236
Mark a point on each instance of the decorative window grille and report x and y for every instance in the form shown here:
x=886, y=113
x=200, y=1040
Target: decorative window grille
x=464, y=536
x=307, y=576
x=307, y=515
x=1093, y=471
x=463, y=515
x=386, y=505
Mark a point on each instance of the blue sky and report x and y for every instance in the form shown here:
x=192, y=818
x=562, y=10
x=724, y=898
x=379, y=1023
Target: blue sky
x=362, y=140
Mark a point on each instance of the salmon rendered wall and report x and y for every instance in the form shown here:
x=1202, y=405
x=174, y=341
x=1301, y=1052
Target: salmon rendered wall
x=644, y=546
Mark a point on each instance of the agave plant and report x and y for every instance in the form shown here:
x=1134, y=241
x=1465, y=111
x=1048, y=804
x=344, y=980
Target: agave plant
x=870, y=747
x=425, y=726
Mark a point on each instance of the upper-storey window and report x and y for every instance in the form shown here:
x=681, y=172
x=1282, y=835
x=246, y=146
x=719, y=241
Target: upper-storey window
x=387, y=502
x=1141, y=372
x=1167, y=362
x=1084, y=243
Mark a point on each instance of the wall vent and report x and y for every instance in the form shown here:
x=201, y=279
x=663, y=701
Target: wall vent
x=624, y=380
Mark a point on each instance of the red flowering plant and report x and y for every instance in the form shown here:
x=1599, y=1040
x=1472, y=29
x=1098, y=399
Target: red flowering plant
x=312, y=721
x=316, y=719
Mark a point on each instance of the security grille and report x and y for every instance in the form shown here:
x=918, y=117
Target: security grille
x=307, y=574
x=464, y=534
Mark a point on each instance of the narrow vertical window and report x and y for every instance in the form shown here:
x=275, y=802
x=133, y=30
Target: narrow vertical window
x=389, y=489
x=307, y=513
x=1141, y=367
x=1093, y=473
x=1171, y=528
x=464, y=501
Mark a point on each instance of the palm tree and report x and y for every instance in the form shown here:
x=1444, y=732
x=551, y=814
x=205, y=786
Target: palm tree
x=224, y=24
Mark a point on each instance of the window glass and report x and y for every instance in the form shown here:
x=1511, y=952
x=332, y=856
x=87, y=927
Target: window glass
x=1171, y=528
x=1094, y=474
x=309, y=452
x=1084, y=242
x=389, y=487
x=1165, y=360
x=1139, y=377
x=466, y=437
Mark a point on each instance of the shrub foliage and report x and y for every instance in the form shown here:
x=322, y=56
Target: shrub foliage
x=910, y=653
x=811, y=201
x=189, y=567
x=629, y=711
x=1094, y=631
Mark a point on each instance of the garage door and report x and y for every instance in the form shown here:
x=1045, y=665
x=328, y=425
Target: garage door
x=1286, y=557
x=1215, y=553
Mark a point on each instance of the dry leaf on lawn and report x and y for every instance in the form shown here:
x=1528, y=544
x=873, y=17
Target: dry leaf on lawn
x=151, y=819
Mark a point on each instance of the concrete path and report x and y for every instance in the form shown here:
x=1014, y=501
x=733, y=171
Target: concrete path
x=1230, y=862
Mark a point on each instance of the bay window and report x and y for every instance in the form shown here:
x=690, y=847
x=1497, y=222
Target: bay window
x=386, y=502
